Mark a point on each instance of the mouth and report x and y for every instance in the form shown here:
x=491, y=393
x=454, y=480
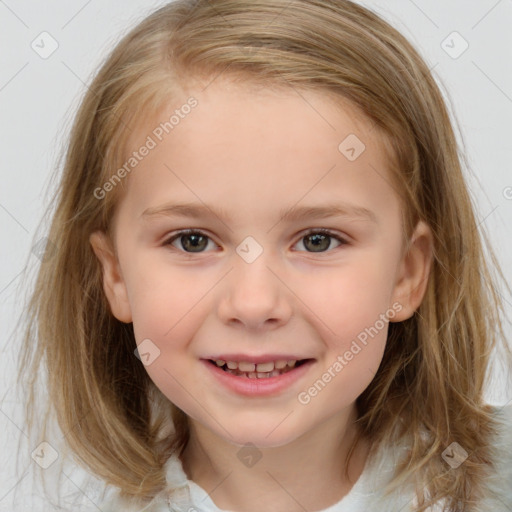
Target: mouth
x=260, y=378
x=264, y=370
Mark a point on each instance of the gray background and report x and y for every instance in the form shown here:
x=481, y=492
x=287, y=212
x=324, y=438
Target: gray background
x=38, y=97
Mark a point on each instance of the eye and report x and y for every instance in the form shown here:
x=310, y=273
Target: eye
x=191, y=240
x=194, y=241
x=318, y=240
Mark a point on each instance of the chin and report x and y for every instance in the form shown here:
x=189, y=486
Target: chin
x=259, y=436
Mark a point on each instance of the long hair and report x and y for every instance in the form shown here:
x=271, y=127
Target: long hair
x=430, y=385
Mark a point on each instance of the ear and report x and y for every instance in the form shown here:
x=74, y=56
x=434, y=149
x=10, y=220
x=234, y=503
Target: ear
x=413, y=272
x=113, y=283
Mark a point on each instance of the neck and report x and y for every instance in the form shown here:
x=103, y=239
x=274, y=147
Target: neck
x=305, y=474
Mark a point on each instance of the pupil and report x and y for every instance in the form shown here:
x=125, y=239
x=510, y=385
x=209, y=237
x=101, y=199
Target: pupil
x=319, y=241
x=195, y=244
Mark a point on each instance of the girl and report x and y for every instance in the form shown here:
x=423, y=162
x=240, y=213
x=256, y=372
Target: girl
x=268, y=289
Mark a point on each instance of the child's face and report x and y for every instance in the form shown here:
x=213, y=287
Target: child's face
x=255, y=286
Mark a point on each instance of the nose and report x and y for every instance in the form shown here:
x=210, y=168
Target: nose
x=254, y=296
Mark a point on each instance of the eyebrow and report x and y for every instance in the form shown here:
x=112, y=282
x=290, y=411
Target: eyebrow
x=200, y=211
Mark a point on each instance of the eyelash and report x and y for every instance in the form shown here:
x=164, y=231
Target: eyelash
x=321, y=231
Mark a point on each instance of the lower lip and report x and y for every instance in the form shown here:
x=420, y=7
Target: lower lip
x=258, y=387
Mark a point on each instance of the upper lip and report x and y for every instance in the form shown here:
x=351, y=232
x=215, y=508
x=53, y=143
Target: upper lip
x=263, y=358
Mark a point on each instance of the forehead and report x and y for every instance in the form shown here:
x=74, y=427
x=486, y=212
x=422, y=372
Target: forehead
x=291, y=113
x=242, y=143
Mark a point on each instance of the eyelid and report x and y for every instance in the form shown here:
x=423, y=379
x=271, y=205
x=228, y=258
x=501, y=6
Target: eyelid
x=344, y=240
x=188, y=231
x=326, y=231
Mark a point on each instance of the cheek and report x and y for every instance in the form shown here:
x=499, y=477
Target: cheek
x=168, y=311
x=162, y=297
x=168, y=304
x=169, y=319
x=352, y=298
x=352, y=309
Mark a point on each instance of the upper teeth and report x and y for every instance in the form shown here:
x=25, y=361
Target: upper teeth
x=244, y=366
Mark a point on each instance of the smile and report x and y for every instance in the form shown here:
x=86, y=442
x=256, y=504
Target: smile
x=260, y=370
x=246, y=378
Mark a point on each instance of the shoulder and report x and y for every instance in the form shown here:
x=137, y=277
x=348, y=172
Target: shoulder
x=499, y=483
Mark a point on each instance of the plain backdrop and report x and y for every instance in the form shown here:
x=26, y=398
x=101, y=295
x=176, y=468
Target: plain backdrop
x=468, y=45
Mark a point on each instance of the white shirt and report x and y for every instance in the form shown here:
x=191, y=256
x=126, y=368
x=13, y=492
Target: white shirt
x=364, y=496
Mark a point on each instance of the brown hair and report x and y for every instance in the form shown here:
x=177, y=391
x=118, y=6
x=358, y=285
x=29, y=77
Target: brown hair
x=436, y=364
